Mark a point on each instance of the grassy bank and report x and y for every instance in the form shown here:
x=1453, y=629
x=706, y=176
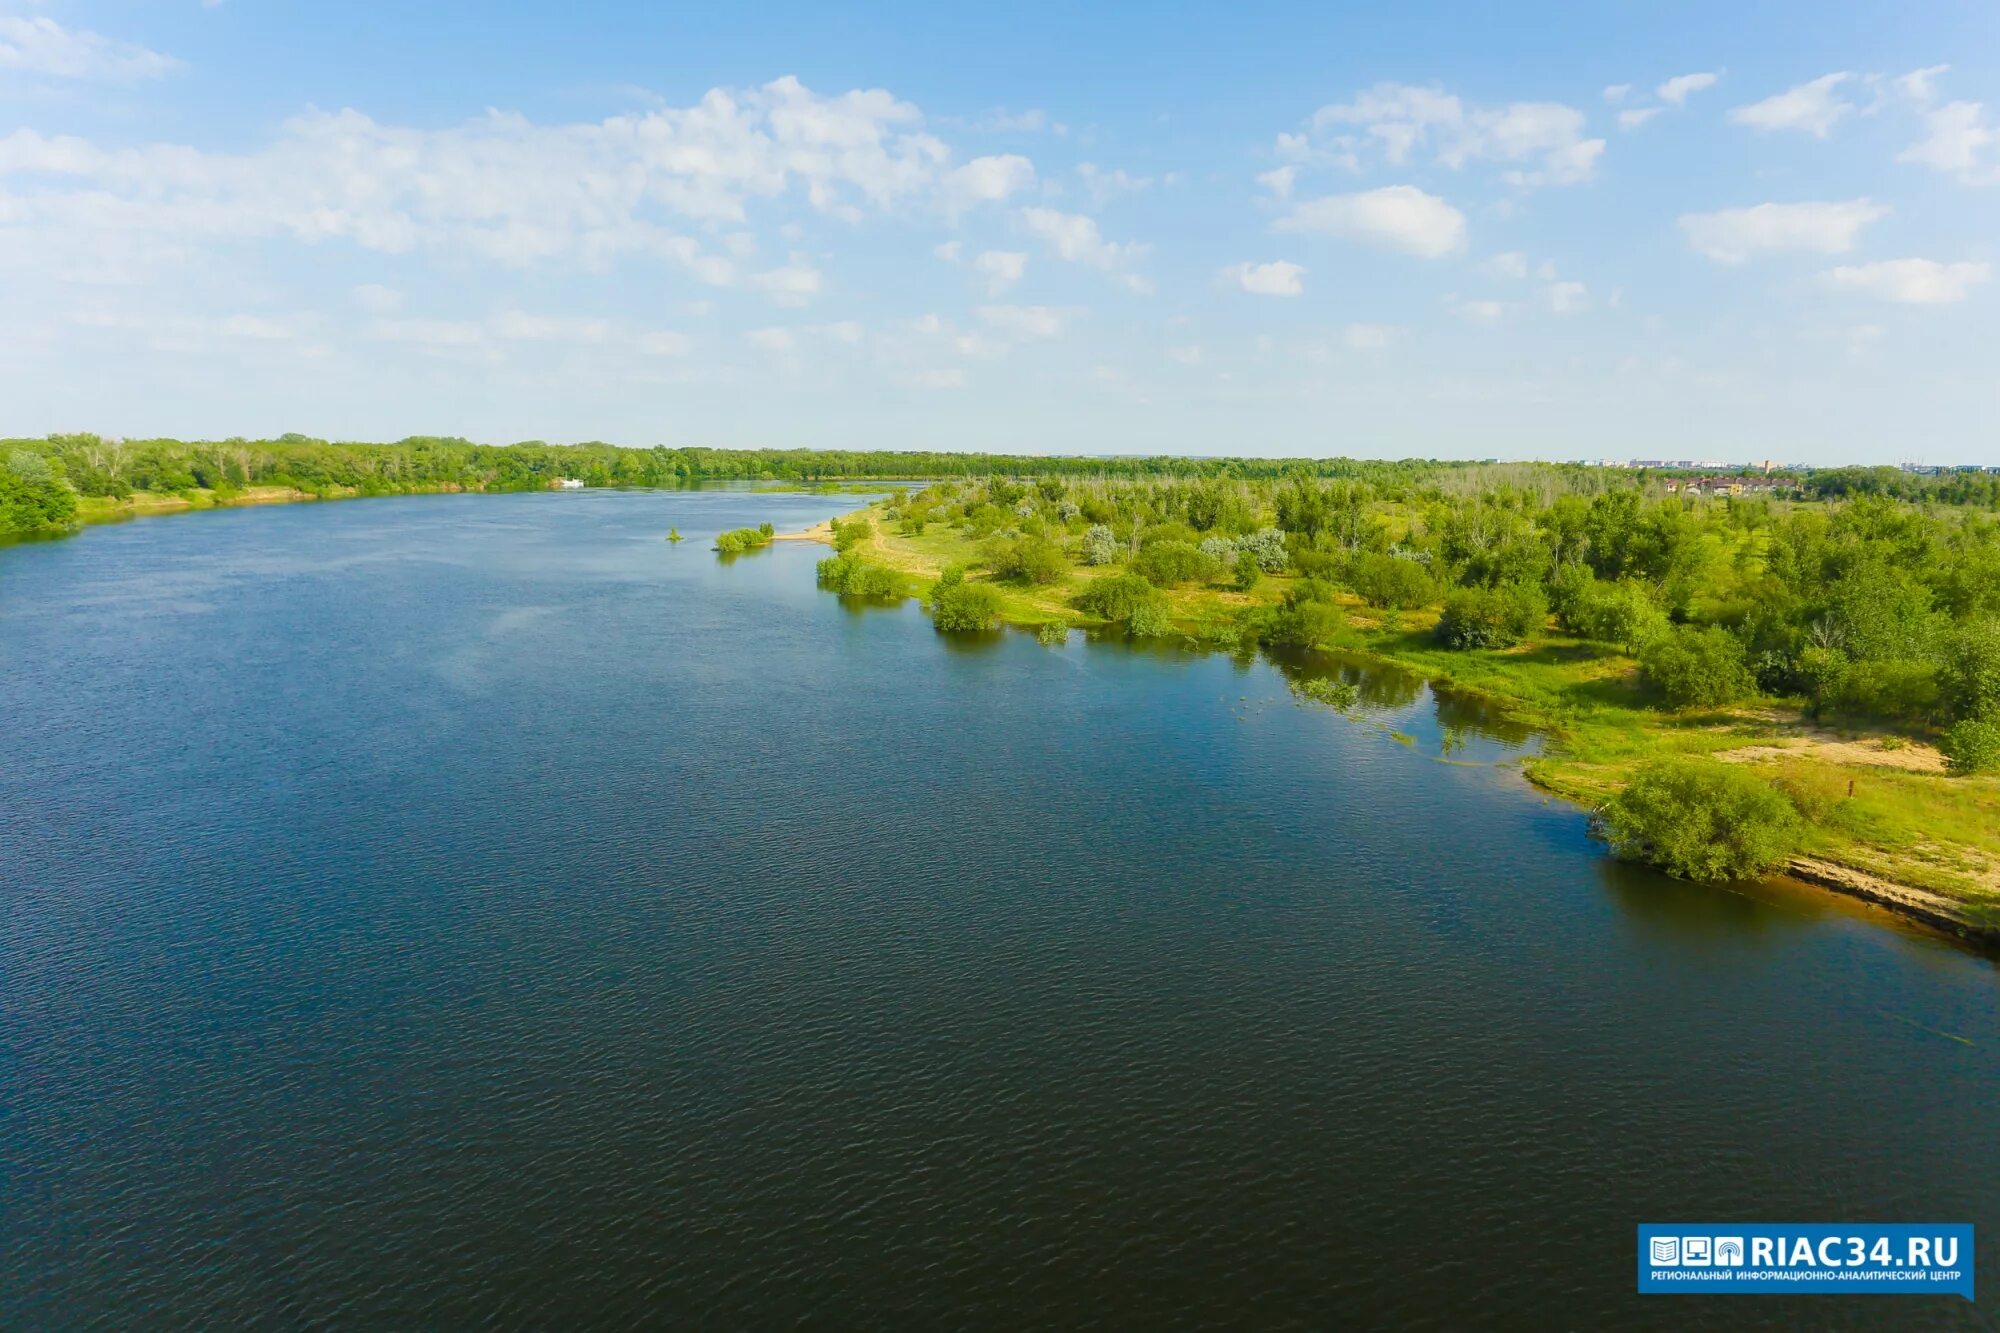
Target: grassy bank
x=1884, y=820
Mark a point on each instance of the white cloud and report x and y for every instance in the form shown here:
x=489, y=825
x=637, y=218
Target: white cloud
x=1910, y=281
x=1369, y=337
x=1678, y=89
x=664, y=342
x=1076, y=238
x=1001, y=269
x=1917, y=84
x=1617, y=92
x=1026, y=323
x=377, y=299
x=1397, y=217
x=1566, y=298
x=1477, y=312
x=1279, y=180
x=521, y=326
x=1104, y=186
x=793, y=285
x=1956, y=139
x=1633, y=117
x=1544, y=140
x=41, y=46
x=1280, y=277
x=1813, y=107
x=503, y=188
x=1736, y=234
x=988, y=179
x=1507, y=264
x=771, y=339
x=949, y=251
x=1184, y=356
x=946, y=377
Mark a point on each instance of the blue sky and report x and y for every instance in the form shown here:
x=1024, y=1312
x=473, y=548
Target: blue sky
x=1579, y=231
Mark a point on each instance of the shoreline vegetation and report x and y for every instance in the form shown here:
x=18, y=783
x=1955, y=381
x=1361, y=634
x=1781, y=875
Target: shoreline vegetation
x=1657, y=719
x=1737, y=675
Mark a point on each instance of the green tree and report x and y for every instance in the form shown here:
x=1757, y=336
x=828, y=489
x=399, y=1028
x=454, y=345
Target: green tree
x=963, y=608
x=1696, y=668
x=1701, y=819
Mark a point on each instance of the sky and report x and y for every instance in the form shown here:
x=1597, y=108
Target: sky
x=1603, y=230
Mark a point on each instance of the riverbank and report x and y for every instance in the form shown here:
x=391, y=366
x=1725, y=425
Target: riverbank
x=1885, y=824
x=94, y=509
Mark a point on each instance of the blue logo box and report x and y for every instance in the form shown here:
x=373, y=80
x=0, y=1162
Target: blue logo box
x=1806, y=1258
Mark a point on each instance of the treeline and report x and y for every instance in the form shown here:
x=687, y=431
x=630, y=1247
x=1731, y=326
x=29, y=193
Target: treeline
x=41, y=478
x=1868, y=608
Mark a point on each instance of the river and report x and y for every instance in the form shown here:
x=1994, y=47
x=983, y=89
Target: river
x=478, y=910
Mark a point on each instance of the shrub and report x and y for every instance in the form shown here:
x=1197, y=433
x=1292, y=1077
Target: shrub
x=961, y=607
x=1328, y=690
x=1052, y=635
x=1700, y=819
x=848, y=535
x=739, y=540
x=1491, y=617
x=1268, y=545
x=851, y=576
x=1621, y=613
x=1026, y=559
x=1969, y=680
x=1166, y=563
x=1114, y=598
x=1221, y=550
x=1304, y=624
x=766, y=531
x=1386, y=580
x=1972, y=746
x=1248, y=571
x=1100, y=546
x=1696, y=668
x=1149, y=620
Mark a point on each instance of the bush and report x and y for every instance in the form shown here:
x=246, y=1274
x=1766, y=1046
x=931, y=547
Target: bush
x=1696, y=668
x=1248, y=570
x=1307, y=618
x=1387, y=580
x=34, y=497
x=1116, y=597
x=960, y=607
x=848, y=535
x=1268, y=545
x=851, y=576
x=1972, y=746
x=1620, y=613
x=1100, y=546
x=1221, y=550
x=1027, y=559
x=1492, y=617
x=1700, y=819
x=1166, y=563
x=1969, y=681
x=1149, y=620
x=739, y=540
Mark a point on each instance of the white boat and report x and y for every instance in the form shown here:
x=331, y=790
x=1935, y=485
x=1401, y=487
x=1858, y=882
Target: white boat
x=568, y=484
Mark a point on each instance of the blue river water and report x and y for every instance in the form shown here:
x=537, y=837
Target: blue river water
x=460, y=910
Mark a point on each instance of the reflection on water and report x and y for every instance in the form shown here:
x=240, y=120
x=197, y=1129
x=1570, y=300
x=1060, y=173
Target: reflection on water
x=1433, y=717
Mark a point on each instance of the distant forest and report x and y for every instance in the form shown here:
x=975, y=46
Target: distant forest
x=41, y=480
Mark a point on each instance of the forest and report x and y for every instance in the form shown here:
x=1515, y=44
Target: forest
x=48, y=484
